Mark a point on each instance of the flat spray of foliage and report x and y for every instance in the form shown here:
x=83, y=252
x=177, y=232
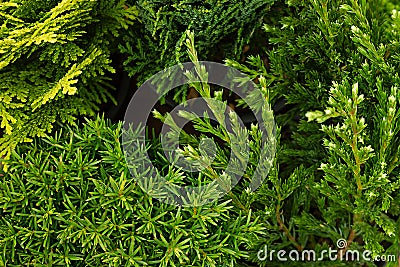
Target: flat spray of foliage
x=222, y=28
x=53, y=60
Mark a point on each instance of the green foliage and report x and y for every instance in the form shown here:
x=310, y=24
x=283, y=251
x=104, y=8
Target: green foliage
x=70, y=200
x=335, y=63
x=222, y=28
x=54, y=56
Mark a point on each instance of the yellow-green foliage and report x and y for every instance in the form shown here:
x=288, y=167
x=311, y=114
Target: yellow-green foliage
x=54, y=57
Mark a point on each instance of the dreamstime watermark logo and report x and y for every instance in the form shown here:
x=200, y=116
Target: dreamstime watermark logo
x=141, y=106
x=339, y=254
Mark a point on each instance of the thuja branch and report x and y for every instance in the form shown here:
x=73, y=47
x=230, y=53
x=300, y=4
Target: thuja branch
x=357, y=125
x=354, y=146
